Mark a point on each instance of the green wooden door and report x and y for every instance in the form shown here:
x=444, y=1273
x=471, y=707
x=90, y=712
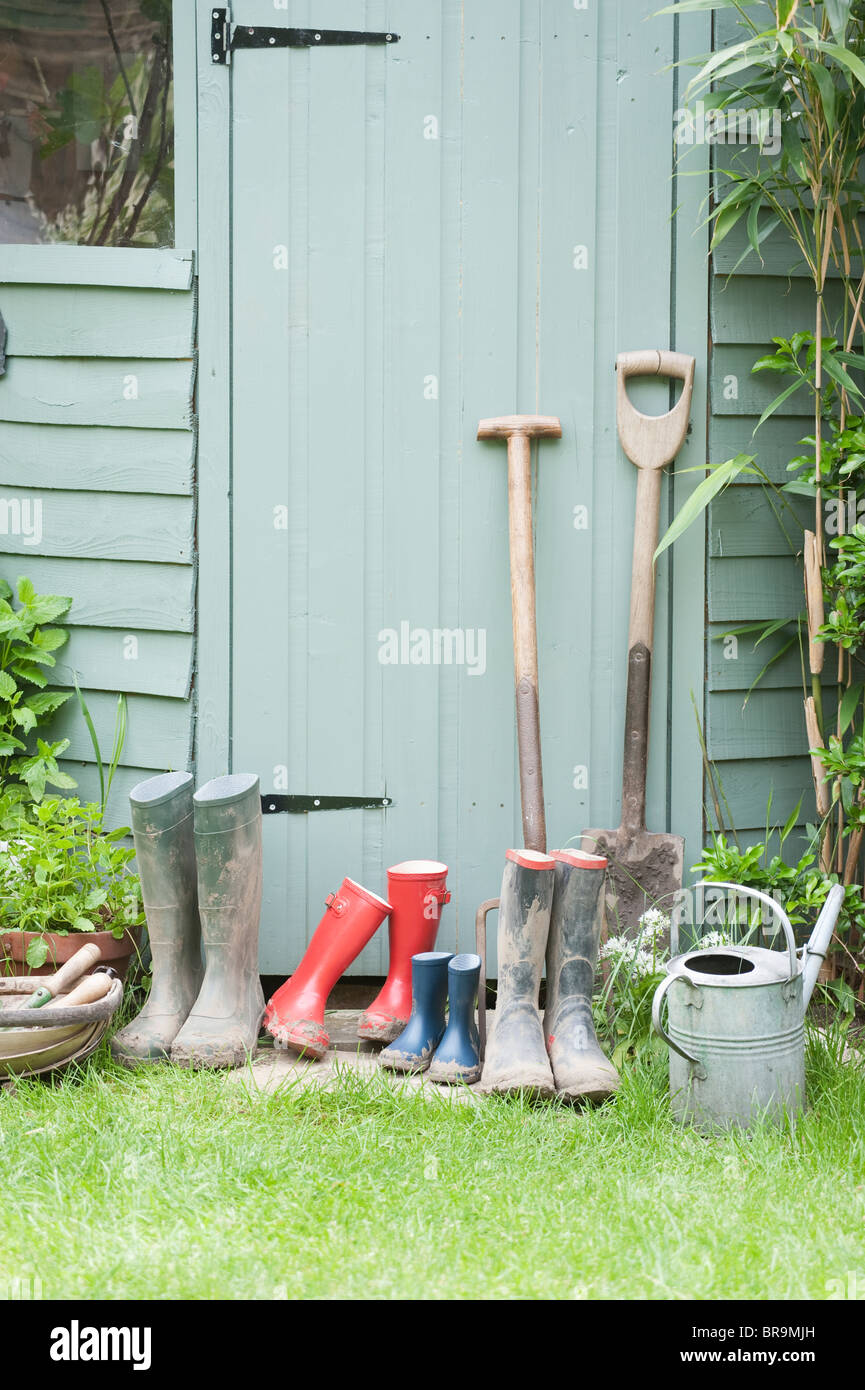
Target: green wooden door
x=419, y=234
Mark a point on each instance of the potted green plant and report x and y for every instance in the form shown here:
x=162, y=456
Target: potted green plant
x=64, y=880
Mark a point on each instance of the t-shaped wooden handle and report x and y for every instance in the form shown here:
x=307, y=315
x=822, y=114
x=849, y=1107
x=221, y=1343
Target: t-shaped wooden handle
x=519, y=430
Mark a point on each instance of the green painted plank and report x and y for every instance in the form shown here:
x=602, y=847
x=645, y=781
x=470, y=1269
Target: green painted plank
x=97, y=321
x=102, y=526
x=97, y=265
x=776, y=442
x=752, y=521
x=734, y=662
x=770, y=725
x=747, y=785
x=159, y=732
x=754, y=587
x=779, y=253
x=736, y=391
x=745, y=309
x=566, y=212
x=214, y=406
x=114, y=593
x=94, y=391
x=96, y=458
x=689, y=331
x=143, y=663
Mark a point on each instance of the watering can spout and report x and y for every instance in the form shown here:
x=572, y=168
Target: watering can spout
x=818, y=944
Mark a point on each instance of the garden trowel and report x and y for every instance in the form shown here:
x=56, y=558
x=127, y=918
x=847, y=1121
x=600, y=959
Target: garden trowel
x=644, y=869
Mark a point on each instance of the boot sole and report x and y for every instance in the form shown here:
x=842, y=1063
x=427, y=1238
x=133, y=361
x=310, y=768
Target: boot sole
x=454, y=1076
x=381, y=1032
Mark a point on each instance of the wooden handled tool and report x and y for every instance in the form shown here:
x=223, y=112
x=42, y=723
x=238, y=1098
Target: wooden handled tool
x=87, y=991
x=643, y=866
x=519, y=430
x=84, y=959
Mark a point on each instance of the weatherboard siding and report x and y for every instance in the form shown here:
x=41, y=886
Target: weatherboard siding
x=97, y=500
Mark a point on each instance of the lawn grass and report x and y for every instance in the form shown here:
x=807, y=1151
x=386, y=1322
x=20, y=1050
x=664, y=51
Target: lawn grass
x=169, y=1184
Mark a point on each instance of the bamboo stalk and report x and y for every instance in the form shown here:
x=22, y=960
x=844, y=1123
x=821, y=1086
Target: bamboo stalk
x=814, y=603
x=818, y=772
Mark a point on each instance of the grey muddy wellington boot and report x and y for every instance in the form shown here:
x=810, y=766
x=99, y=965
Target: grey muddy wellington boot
x=516, y=1057
x=222, y=1028
x=165, y=853
x=581, y=1070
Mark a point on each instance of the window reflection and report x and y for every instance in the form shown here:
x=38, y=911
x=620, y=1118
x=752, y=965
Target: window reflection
x=86, y=122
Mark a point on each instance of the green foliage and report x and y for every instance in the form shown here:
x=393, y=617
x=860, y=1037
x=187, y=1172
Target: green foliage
x=61, y=871
x=634, y=969
x=802, y=887
x=28, y=642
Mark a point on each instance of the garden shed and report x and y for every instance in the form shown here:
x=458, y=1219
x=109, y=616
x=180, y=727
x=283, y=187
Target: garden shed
x=258, y=294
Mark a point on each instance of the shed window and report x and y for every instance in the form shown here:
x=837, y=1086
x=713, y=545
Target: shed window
x=86, y=122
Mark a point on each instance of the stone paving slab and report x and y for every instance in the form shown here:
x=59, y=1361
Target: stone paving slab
x=273, y=1067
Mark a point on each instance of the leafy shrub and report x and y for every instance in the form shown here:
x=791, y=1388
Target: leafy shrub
x=60, y=871
x=27, y=645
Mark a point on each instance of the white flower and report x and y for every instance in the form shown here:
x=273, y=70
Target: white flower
x=653, y=925
x=615, y=947
x=714, y=938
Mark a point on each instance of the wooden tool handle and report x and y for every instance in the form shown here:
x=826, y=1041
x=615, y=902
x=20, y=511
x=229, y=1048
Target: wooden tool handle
x=84, y=959
x=525, y=640
x=87, y=992
x=651, y=441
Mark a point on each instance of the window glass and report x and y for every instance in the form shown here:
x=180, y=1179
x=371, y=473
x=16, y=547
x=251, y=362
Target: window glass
x=86, y=122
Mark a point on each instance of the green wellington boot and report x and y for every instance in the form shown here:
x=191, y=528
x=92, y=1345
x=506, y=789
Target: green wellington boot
x=165, y=853
x=581, y=1071
x=222, y=1028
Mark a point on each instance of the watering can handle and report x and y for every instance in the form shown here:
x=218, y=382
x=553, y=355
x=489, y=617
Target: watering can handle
x=699, y=1069
x=769, y=902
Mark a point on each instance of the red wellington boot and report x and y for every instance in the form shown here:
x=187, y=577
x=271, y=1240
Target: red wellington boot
x=417, y=891
x=295, y=1014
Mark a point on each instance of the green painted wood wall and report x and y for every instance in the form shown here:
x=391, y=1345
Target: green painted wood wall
x=754, y=570
x=97, y=441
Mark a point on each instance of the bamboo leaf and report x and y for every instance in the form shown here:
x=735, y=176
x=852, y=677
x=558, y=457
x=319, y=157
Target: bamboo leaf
x=847, y=60
x=771, y=662
x=847, y=709
x=718, y=479
x=826, y=87
x=838, y=14
x=778, y=401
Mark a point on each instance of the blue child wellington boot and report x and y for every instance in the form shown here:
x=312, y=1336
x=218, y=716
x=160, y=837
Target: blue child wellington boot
x=516, y=1058
x=581, y=1071
x=457, y=1057
x=222, y=1028
x=414, y=1047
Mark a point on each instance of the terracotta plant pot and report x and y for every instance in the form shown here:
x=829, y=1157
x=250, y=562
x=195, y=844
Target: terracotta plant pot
x=116, y=952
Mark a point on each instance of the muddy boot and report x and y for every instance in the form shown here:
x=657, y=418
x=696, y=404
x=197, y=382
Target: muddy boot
x=581, y=1070
x=516, y=1057
x=295, y=1015
x=457, y=1057
x=222, y=1028
x=414, y=1047
x=417, y=891
x=165, y=854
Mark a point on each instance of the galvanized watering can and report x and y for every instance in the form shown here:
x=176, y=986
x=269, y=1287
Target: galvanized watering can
x=736, y=1023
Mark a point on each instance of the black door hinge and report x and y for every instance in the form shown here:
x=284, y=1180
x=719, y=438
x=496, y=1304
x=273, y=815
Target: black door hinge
x=226, y=38
x=302, y=805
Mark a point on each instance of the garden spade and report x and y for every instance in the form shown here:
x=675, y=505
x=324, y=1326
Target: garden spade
x=519, y=431
x=644, y=868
